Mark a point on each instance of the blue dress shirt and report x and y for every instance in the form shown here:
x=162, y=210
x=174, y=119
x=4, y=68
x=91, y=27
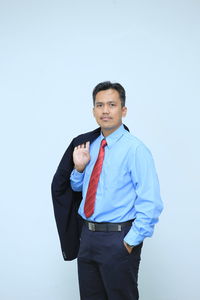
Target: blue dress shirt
x=128, y=187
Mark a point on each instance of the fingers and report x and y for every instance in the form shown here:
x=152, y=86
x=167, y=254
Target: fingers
x=79, y=147
x=87, y=146
x=83, y=146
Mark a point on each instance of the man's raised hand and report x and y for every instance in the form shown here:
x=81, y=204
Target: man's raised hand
x=81, y=156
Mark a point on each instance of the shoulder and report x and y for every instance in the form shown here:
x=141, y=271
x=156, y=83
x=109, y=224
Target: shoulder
x=87, y=136
x=139, y=156
x=134, y=142
x=137, y=149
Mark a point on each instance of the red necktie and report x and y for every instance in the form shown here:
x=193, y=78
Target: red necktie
x=94, y=179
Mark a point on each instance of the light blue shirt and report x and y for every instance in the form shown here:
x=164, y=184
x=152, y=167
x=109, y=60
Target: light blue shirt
x=128, y=187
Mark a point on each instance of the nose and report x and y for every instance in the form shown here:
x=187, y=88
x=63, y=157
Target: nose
x=105, y=109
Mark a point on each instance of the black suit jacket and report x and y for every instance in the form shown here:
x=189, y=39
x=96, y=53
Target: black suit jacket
x=66, y=202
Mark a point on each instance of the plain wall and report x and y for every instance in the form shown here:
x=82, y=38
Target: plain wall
x=52, y=54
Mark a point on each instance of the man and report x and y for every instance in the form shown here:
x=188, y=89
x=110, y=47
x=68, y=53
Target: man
x=123, y=206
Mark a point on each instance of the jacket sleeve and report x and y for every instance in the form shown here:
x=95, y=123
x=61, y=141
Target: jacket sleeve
x=65, y=204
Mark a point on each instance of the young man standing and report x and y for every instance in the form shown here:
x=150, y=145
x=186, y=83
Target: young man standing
x=120, y=201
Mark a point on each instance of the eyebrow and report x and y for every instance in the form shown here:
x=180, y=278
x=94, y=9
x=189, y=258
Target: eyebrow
x=99, y=102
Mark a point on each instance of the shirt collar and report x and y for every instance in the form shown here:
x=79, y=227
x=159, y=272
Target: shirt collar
x=114, y=137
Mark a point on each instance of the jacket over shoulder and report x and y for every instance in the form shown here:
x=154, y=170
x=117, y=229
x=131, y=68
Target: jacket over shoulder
x=66, y=202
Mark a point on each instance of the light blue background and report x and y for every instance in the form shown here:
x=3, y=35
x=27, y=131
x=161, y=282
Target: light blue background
x=52, y=54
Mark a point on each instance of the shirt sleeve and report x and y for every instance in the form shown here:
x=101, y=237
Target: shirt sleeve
x=76, y=180
x=148, y=203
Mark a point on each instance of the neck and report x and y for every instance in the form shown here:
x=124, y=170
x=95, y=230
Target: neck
x=107, y=131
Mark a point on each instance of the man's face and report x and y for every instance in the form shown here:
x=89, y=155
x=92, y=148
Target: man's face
x=108, y=111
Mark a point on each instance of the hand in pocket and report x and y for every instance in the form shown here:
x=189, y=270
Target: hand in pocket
x=129, y=249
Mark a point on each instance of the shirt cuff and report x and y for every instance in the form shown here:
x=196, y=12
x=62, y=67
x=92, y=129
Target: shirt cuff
x=133, y=238
x=76, y=175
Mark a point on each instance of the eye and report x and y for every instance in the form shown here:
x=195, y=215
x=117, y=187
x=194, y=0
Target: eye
x=112, y=104
x=98, y=105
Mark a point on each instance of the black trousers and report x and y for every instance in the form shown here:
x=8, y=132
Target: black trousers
x=105, y=268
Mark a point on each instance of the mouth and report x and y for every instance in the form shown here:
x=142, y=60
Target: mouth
x=106, y=118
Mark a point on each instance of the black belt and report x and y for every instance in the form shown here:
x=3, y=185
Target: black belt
x=93, y=226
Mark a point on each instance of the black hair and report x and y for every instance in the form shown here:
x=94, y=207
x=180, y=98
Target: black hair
x=102, y=86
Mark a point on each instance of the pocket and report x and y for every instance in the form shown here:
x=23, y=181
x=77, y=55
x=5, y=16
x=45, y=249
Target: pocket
x=125, y=231
x=124, y=247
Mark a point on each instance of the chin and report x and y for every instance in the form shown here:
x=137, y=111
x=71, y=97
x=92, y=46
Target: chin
x=108, y=127
x=105, y=125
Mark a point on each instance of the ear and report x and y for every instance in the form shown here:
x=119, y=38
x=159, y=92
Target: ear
x=93, y=111
x=124, y=111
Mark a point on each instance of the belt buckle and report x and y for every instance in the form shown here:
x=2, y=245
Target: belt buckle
x=119, y=227
x=91, y=226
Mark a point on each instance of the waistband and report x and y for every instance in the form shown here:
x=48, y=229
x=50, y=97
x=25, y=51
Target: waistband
x=105, y=226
